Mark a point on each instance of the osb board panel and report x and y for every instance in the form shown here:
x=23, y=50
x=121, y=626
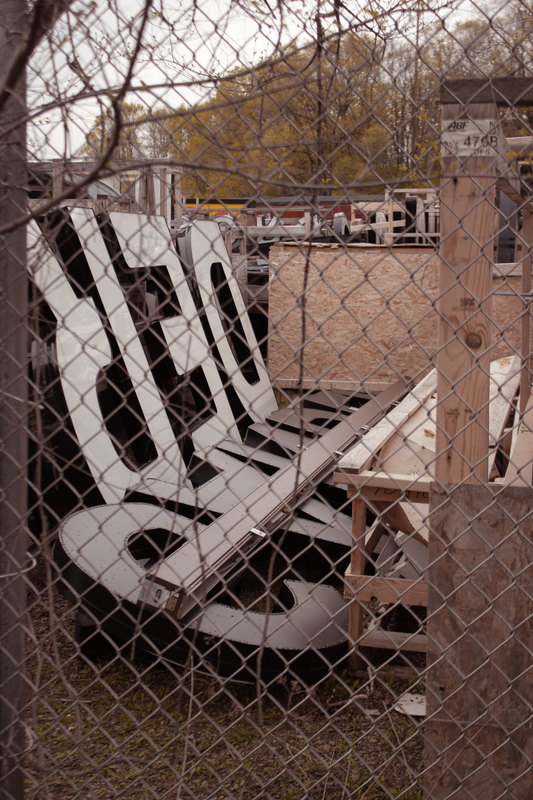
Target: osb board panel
x=369, y=313
x=479, y=726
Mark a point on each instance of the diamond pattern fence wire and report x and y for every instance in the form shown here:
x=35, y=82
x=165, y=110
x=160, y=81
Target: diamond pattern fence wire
x=266, y=417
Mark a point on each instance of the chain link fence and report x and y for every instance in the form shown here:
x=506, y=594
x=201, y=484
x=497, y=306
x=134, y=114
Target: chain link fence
x=267, y=435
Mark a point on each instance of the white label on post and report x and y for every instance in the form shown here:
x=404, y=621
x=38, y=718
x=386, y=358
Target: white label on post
x=467, y=137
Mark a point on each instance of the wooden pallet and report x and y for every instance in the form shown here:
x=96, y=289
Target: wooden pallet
x=405, y=440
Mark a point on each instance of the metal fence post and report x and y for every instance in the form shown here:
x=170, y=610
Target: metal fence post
x=13, y=452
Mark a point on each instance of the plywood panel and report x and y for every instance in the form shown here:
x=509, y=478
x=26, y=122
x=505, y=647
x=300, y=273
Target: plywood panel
x=464, y=306
x=480, y=644
x=370, y=313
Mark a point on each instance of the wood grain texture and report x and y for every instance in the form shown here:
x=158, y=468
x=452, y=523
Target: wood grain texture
x=373, y=494
x=478, y=729
x=397, y=482
x=395, y=640
x=465, y=286
x=365, y=451
x=357, y=567
x=370, y=315
x=402, y=516
x=387, y=590
x=525, y=380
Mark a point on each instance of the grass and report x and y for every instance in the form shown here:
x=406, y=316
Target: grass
x=120, y=729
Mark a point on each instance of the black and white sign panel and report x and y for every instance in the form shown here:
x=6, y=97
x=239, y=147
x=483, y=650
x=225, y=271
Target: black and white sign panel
x=160, y=370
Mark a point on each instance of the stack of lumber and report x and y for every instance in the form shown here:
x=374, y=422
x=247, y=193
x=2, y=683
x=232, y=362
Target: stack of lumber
x=391, y=470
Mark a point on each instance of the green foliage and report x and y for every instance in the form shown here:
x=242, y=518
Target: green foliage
x=344, y=112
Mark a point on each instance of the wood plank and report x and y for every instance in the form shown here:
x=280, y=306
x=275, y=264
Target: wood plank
x=374, y=493
x=465, y=286
x=412, y=448
x=372, y=537
x=394, y=640
x=516, y=190
x=384, y=480
x=400, y=516
x=520, y=145
x=362, y=455
x=418, y=518
x=501, y=91
x=387, y=590
x=480, y=630
x=343, y=386
x=418, y=436
x=357, y=566
x=525, y=378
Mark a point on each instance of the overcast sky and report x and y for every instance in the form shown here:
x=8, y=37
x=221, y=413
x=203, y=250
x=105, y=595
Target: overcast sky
x=184, y=43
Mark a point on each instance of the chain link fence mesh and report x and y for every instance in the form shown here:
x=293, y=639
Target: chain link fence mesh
x=267, y=439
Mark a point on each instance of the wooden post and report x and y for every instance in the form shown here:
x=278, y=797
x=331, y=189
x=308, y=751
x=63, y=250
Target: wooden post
x=478, y=726
x=480, y=545
x=525, y=376
x=463, y=361
x=357, y=566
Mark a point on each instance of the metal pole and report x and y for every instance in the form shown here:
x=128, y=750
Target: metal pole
x=13, y=409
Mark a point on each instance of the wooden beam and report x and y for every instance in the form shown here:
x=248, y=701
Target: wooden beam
x=387, y=590
x=480, y=660
x=373, y=536
x=399, y=516
x=501, y=91
x=343, y=386
x=384, y=480
x=521, y=145
x=357, y=566
x=393, y=489
x=375, y=494
x=465, y=286
x=394, y=640
x=504, y=380
x=525, y=377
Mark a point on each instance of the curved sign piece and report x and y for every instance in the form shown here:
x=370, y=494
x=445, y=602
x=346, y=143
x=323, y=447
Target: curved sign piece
x=96, y=540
